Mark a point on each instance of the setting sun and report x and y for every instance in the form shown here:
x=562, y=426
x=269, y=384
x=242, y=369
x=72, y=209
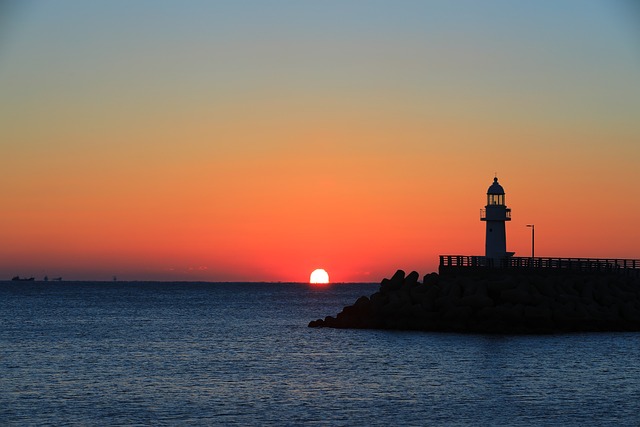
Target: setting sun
x=319, y=276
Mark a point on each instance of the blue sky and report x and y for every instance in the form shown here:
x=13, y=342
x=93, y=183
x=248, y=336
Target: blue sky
x=240, y=112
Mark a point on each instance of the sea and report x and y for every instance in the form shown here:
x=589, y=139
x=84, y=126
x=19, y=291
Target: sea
x=158, y=353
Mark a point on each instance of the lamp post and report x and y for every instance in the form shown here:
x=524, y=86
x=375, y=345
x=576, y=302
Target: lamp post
x=533, y=239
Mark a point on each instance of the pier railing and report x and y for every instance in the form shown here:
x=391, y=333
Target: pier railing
x=614, y=265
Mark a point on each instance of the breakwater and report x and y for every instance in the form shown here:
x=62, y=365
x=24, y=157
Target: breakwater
x=501, y=301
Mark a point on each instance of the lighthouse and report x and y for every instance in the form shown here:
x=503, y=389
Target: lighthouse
x=495, y=214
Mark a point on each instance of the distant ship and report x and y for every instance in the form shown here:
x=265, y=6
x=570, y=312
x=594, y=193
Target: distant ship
x=18, y=279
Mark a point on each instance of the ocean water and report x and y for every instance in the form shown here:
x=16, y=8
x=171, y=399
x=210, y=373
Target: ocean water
x=89, y=353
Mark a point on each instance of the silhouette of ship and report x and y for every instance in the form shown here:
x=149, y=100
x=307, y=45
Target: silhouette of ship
x=21, y=279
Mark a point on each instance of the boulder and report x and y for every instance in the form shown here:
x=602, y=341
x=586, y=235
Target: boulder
x=538, y=314
x=418, y=290
x=515, y=296
x=411, y=280
x=316, y=323
x=396, y=281
x=497, y=303
x=630, y=312
x=511, y=313
x=476, y=301
x=457, y=313
x=431, y=279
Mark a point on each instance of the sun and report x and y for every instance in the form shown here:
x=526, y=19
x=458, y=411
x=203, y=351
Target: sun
x=319, y=276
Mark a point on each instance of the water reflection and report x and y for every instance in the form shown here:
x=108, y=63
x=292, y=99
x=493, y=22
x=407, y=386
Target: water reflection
x=161, y=353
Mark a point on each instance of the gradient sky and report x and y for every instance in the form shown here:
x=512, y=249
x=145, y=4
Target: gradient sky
x=259, y=140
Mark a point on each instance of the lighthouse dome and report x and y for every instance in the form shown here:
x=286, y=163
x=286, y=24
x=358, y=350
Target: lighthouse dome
x=495, y=188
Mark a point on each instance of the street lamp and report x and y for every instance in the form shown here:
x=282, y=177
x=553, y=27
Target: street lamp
x=533, y=239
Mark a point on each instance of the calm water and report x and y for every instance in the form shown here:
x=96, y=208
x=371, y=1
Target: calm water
x=241, y=354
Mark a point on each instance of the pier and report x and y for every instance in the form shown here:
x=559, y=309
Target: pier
x=472, y=263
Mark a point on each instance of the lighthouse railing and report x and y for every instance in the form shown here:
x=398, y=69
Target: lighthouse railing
x=506, y=211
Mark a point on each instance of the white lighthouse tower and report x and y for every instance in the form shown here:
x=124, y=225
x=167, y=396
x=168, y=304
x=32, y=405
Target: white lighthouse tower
x=495, y=214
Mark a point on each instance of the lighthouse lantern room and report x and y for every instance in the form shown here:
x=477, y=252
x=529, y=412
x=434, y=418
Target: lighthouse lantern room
x=495, y=214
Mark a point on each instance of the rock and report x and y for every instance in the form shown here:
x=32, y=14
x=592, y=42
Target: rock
x=516, y=296
x=511, y=313
x=431, y=279
x=497, y=303
x=362, y=305
x=417, y=291
x=398, y=276
x=538, y=314
x=469, y=288
x=457, y=313
x=445, y=301
x=476, y=301
x=629, y=312
x=316, y=323
x=586, y=292
x=432, y=293
x=377, y=301
x=394, y=283
x=411, y=280
x=415, y=311
x=453, y=290
x=385, y=286
x=496, y=286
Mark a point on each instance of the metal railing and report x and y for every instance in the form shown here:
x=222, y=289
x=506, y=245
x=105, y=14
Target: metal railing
x=507, y=214
x=557, y=263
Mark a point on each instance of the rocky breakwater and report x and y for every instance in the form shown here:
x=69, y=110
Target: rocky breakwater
x=500, y=302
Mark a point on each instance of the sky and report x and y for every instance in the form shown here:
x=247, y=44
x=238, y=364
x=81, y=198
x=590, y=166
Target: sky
x=257, y=141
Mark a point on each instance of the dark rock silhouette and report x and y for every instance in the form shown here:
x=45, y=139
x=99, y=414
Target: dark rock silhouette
x=498, y=302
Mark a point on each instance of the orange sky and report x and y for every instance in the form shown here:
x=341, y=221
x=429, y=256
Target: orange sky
x=178, y=149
